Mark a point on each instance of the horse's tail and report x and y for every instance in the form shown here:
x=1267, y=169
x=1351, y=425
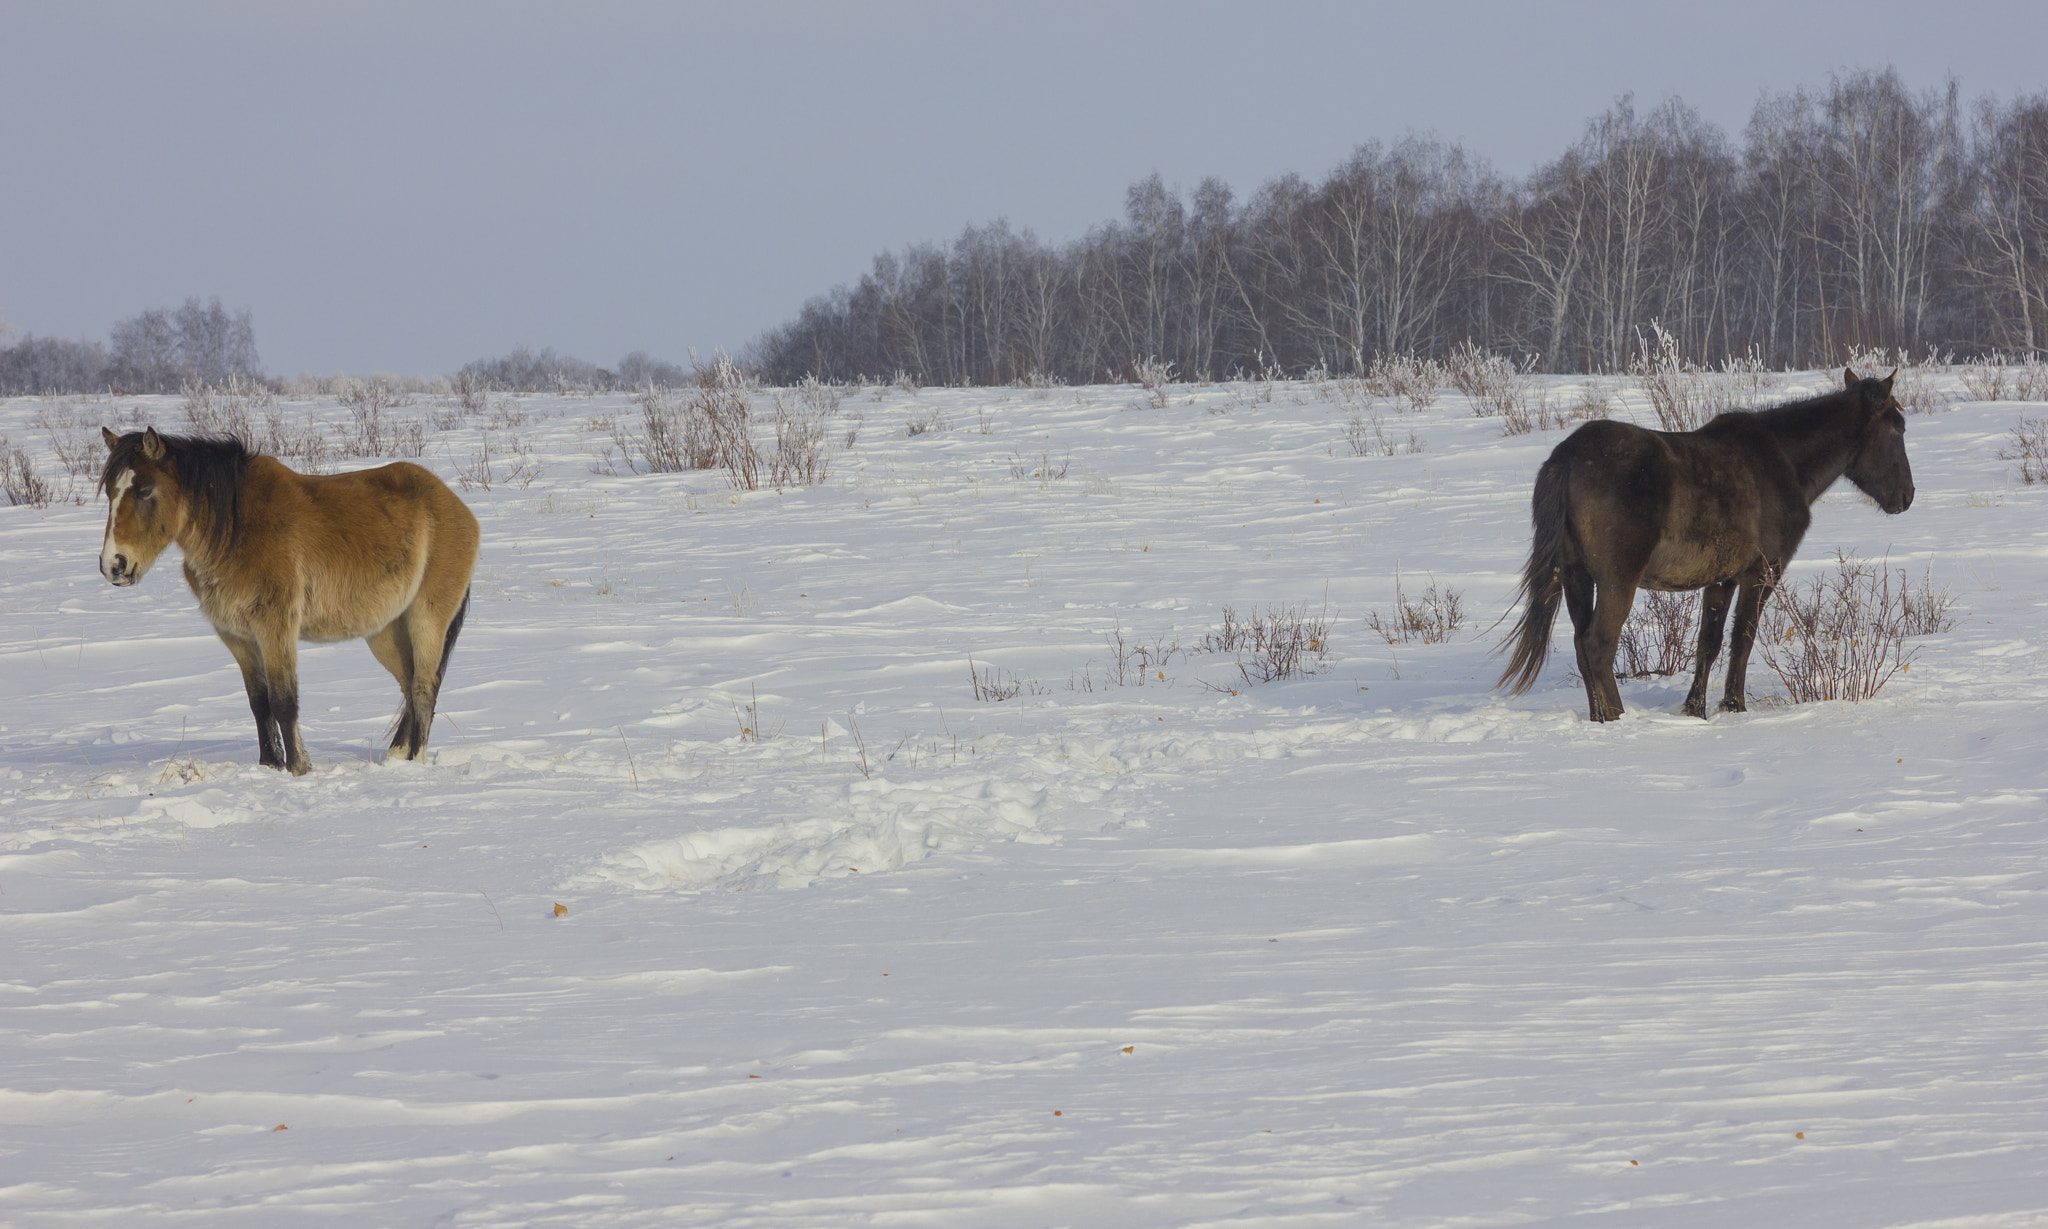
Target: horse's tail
x=448, y=642
x=1542, y=579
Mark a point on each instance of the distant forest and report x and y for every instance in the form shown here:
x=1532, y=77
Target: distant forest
x=1865, y=215
x=154, y=352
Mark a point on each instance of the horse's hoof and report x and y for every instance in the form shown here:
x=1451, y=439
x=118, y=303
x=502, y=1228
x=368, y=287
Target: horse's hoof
x=1691, y=709
x=301, y=768
x=1734, y=706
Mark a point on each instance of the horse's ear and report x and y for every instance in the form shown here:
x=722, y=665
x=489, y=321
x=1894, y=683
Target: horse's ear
x=113, y=441
x=1884, y=390
x=152, y=445
x=1848, y=377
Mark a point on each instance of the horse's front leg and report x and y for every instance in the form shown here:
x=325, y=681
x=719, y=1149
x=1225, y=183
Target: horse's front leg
x=269, y=747
x=1713, y=615
x=279, y=648
x=1748, y=610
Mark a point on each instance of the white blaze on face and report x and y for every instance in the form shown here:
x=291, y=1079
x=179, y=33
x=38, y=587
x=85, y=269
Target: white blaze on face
x=108, y=547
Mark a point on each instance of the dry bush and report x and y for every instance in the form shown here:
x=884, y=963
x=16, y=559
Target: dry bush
x=801, y=457
x=923, y=422
x=665, y=444
x=373, y=430
x=1675, y=384
x=1549, y=416
x=1842, y=635
x=1432, y=618
x=377, y=393
x=1366, y=435
x=250, y=412
x=1280, y=642
x=1916, y=387
x=1495, y=384
x=1469, y=367
x=505, y=413
x=510, y=464
x=304, y=444
x=1661, y=636
x=1593, y=403
x=1408, y=377
x=1686, y=394
x=724, y=400
x=472, y=392
x=707, y=427
x=1924, y=609
x=1155, y=376
x=18, y=478
x=2028, y=446
x=1999, y=378
x=1134, y=663
x=74, y=435
x=1038, y=386
x=226, y=409
x=1249, y=389
x=1042, y=471
x=993, y=685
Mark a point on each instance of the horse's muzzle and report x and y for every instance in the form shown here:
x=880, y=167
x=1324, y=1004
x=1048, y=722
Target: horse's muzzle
x=120, y=572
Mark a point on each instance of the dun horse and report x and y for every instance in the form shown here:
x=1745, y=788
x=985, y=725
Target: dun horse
x=276, y=557
x=1618, y=507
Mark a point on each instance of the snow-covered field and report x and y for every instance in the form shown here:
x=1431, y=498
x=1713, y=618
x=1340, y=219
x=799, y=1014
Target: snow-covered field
x=846, y=946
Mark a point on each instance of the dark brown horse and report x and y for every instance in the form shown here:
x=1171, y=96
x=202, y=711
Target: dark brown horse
x=276, y=557
x=1619, y=508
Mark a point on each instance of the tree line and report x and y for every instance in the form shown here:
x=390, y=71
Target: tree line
x=1863, y=215
x=156, y=351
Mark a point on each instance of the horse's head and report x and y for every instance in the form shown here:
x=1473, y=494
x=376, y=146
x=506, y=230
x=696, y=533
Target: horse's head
x=146, y=508
x=1879, y=468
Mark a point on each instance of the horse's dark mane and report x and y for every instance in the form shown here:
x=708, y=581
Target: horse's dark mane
x=1792, y=411
x=210, y=471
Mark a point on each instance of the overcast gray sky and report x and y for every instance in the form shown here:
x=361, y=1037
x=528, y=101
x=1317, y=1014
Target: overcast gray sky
x=407, y=186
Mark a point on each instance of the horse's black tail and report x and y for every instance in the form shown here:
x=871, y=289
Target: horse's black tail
x=1542, y=580
x=448, y=642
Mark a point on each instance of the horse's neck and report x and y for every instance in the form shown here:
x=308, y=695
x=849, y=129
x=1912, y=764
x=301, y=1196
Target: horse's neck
x=203, y=550
x=1820, y=450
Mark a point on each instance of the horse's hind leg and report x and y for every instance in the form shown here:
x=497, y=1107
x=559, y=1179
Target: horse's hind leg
x=1713, y=614
x=1596, y=643
x=430, y=635
x=1577, y=584
x=393, y=651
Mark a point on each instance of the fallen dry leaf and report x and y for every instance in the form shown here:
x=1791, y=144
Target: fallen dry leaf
x=280, y=1127
x=1128, y=1049
x=561, y=910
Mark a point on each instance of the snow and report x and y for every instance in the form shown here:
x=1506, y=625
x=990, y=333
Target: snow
x=844, y=946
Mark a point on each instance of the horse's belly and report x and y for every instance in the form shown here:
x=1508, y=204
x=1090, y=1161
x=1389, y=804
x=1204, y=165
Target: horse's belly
x=353, y=617
x=1675, y=569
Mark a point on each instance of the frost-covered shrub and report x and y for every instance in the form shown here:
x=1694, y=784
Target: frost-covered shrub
x=1842, y=635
